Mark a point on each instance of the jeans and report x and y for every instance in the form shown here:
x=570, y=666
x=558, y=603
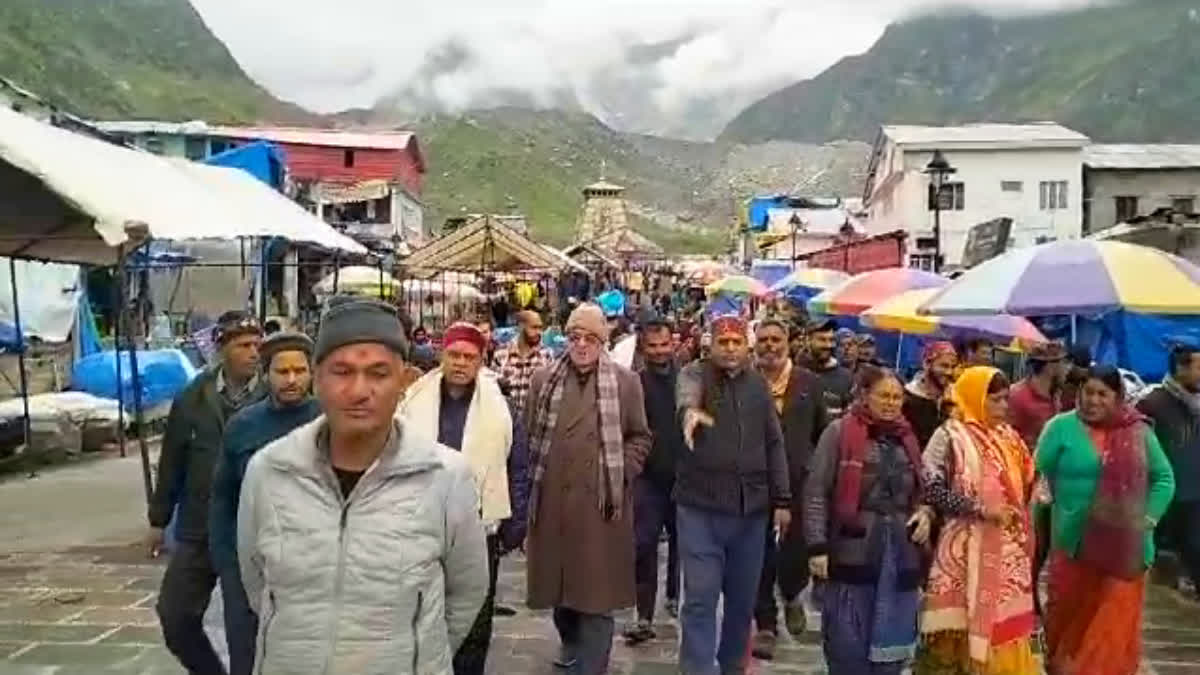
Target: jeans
x=785, y=563
x=471, y=657
x=587, y=638
x=653, y=510
x=722, y=555
x=187, y=587
x=1182, y=530
x=241, y=624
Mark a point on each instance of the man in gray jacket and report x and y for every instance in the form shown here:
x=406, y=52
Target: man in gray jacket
x=360, y=542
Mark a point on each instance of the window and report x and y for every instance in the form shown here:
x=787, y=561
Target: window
x=1183, y=204
x=921, y=261
x=348, y=159
x=1052, y=195
x=154, y=144
x=953, y=197
x=195, y=148
x=1011, y=186
x=1127, y=208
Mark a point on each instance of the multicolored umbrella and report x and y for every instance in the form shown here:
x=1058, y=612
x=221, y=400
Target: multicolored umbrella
x=738, y=284
x=1074, y=277
x=707, y=272
x=806, y=282
x=863, y=291
x=899, y=314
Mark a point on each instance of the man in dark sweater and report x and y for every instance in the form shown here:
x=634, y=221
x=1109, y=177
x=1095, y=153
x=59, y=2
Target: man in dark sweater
x=837, y=382
x=1174, y=406
x=798, y=400
x=190, y=448
x=925, y=403
x=286, y=363
x=653, y=508
x=728, y=488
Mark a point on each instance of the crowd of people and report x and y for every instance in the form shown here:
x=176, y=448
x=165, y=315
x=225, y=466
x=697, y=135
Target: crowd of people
x=355, y=509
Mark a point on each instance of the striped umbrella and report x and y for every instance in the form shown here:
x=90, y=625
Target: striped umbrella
x=899, y=314
x=863, y=291
x=1074, y=277
x=738, y=284
x=806, y=282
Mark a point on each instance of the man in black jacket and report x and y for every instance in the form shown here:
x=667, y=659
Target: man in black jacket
x=190, y=448
x=1174, y=406
x=799, y=402
x=837, y=382
x=730, y=485
x=653, y=508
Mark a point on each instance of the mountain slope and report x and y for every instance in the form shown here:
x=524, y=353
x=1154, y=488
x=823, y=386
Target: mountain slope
x=1124, y=72
x=130, y=58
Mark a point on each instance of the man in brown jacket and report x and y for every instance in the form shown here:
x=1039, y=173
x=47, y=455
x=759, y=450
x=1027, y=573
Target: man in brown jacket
x=588, y=440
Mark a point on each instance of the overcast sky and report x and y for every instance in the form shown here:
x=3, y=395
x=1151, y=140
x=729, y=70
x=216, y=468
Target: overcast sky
x=334, y=54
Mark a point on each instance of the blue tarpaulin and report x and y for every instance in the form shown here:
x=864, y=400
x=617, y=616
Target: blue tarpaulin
x=263, y=160
x=770, y=272
x=758, y=211
x=1136, y=342
x=164, y=373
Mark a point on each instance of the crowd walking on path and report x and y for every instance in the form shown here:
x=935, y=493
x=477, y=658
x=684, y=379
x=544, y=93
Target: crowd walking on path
x=356, y=511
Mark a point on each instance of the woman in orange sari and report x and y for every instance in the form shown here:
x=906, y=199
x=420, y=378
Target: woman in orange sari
x=1110, y=483
x=978, y=617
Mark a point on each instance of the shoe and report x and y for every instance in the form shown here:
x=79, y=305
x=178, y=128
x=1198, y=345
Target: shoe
x=672, y=607
x=501, y=610
x=564, y=659
x=639, y=632
x=763, y=647
x=795, y=618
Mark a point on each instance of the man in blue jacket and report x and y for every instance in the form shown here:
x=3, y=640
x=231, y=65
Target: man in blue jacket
x=289, y=404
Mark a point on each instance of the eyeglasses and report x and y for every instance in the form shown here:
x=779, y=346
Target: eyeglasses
x=584, y=338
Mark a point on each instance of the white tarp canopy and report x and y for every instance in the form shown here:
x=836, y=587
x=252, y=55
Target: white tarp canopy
x=48, y=297
x=69, y=197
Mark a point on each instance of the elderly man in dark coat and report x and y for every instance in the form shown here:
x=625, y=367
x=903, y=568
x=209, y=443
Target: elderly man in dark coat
x=588, y=439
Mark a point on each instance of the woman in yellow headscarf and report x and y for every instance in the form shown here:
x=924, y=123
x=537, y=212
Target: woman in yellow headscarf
x=978, y=617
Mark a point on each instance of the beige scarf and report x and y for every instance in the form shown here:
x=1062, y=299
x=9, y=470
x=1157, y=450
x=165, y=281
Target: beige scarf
x=487, y=436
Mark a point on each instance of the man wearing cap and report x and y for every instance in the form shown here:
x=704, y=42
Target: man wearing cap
x=730, y=489
x=469, y=413
x=289, y=404
x=1034, y=400
x=190, y=448
x=925, y=404
x=359, y=539
x=836, y=379
x=588, y=441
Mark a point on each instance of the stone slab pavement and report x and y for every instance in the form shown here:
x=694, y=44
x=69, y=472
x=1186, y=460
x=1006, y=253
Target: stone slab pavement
x=77, y=595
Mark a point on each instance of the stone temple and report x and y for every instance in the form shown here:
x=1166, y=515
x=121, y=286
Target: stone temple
x=605, y=224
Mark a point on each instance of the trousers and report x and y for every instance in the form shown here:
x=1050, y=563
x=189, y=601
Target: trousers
x=653, y=510
x=785, y=564
x=722, y=556
x=586, y=638
x=187, y=588
x=241, y=624
x=471, y=657
x=1182, y=534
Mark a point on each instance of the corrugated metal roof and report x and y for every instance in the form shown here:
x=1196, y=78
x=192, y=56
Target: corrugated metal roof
x=1036, y=133
x=375, y=140
x=1151, y=156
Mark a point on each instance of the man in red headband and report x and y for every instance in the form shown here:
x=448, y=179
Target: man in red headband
x=924, y=397
x=469, y=413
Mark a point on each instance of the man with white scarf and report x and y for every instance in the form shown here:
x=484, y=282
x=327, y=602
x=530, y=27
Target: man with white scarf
x=469, y=413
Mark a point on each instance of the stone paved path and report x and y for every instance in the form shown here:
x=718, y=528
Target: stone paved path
x=89, y=610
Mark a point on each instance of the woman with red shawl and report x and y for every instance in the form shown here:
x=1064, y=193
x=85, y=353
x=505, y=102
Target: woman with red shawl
x=978, y=616
x=1110, y=482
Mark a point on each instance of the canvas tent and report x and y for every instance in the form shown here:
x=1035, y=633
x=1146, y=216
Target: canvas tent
x=485, y=245
x=73, y=198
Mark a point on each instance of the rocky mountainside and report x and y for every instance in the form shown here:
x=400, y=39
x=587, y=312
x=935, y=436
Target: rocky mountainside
x=130, y=58
x=1124, y=71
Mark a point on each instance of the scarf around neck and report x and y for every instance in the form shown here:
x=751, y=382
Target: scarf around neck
x=1112, y=539
x=859, y=429
x=1188, y=398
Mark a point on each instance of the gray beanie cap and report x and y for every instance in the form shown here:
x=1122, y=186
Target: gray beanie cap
x=359, y=320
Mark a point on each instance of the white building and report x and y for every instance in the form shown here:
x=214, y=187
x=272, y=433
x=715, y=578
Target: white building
x=1123, y=182
x=1031, y=173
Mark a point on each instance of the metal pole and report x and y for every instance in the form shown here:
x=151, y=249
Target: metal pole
x=118, y=304
x=136, y=381
x=337, y=268
x=263, y=273
x=937, y=228
x=12, y=275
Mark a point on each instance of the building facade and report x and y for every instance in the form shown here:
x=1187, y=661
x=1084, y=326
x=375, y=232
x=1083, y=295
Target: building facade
x=1028, y=172
x=1126, y=182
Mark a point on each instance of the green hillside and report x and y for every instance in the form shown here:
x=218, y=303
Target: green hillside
x=1123, y=72
x=129, y=59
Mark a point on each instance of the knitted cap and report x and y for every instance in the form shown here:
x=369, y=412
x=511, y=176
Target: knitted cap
x=589, y=318
x=235, y=323
x=283, y=342
x=357, y=321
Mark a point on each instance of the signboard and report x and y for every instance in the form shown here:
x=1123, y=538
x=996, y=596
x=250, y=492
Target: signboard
x=986, y=241
x=862, y=255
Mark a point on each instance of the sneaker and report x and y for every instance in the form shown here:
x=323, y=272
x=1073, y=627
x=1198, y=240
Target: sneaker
x=795, y=618
x=502, y=610
x=565, y=659
x=763, y=647
x=672, y=607
x=639, y=632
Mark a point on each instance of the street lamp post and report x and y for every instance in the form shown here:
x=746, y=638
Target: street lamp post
x=938, y=169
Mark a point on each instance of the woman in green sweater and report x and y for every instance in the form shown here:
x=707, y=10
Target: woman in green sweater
x=1109, y=484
